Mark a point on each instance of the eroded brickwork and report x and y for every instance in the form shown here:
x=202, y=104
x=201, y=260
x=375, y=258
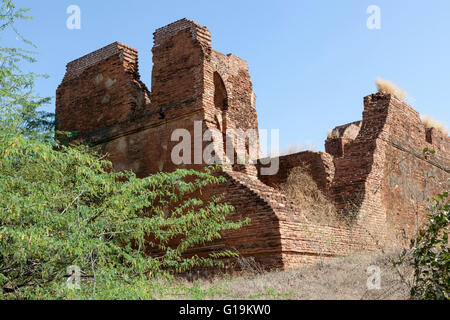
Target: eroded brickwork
x=373, y=169
x=101, y=89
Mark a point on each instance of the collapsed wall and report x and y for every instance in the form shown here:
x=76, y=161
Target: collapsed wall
x=375, y=171
x=373, y=167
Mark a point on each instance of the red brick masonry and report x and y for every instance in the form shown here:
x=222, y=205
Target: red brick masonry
x=374, y=167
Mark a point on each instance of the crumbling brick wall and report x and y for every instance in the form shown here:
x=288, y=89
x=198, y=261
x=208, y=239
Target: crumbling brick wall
x=135, y=132
x=405, y=177
x=383, y=175
x=340, y=137
x=279, y=235
x=373, y=169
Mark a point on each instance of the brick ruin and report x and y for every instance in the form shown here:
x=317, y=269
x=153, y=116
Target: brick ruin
x=375, y=166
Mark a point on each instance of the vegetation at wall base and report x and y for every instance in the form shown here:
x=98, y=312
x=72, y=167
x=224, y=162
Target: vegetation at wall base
x=431, y=253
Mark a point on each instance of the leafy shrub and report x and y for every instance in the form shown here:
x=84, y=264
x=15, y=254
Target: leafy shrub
x=431, y=253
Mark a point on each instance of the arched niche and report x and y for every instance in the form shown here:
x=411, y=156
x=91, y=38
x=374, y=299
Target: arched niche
x=220, y=93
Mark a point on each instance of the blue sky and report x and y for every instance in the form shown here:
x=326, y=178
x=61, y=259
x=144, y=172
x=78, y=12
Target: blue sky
x=311, y=62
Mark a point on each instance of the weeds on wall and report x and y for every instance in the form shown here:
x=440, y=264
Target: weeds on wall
x=303, y=190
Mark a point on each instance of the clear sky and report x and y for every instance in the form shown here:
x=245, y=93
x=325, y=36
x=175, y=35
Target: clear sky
x=311, y=62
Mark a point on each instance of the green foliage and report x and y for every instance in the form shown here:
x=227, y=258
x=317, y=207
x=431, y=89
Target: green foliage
x=140, y=288
x=427, y=151
x=431, y=253
x=66, y=207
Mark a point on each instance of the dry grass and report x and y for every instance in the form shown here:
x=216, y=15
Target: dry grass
x=429, y=123
x=336, y=279
x=303, y=190
x=388, y=87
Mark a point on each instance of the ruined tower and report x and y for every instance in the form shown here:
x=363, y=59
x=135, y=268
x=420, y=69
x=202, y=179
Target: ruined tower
x=194, y=88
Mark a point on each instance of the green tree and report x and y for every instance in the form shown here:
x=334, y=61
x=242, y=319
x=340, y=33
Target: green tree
x=18, y=100
x=63, y=206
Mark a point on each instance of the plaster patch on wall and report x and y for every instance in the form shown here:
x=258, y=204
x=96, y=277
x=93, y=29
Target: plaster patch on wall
x=98, y=79
x=109, y=83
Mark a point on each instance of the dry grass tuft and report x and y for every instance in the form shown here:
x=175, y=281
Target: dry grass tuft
x=430, y=122
x=303, y=190
x=388, y=87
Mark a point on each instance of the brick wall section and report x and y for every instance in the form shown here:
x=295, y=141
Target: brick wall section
x=408, y=177
x=240, y=111
x=183, y=91
x=382, y=174
x=379, y=176
x=279, y=236
x=303, y=242
x=179, y=55
x=198, y=32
